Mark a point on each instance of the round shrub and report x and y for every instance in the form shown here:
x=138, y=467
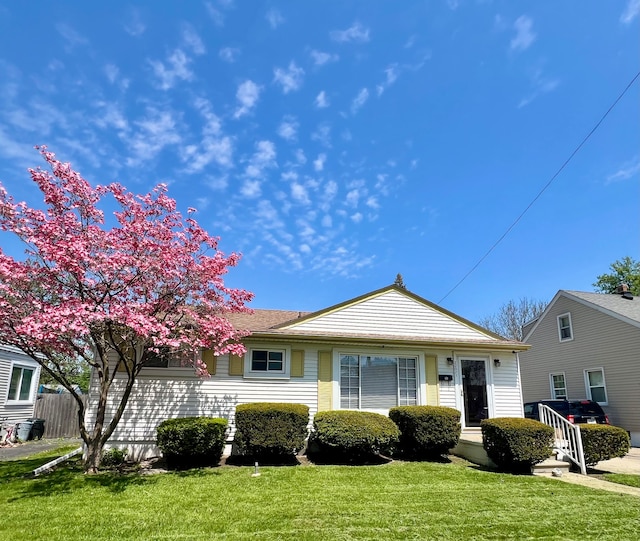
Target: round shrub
x=353, y=435
x=426, y=431
x=602, y=442
x=192, y=441
x=271, y=429
x=516, y=444
x=114, y=458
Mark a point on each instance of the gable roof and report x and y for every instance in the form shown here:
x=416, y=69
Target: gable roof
x=391, y=315
x=614, y=305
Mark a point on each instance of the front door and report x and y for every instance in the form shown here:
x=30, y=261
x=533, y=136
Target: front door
x=474, y=391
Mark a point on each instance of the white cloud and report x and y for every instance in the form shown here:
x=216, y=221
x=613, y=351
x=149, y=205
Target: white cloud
x=251, y=189
x=134, y=26
x=217, y=184
x=630, y=12
x=524, y=34
x=210, y=149
x=391, y=75
x=359, y=101
x=626, y=171
x=216, y=15
x=541, y=85
x=353, y=196
x=453, y=4
x=274, y=18
x=300, y=157
x=111, y=117
x=321, y=100
x=322, y=135
x=355, y=33
x=318, y=163
x=247, y=95
x=154, y=132
x=263, y=158
x=212, y=124
x=71, y=36
x=305, y=249
x=288, y=128
x=299, y=193
x=229, y=54
x=356, y=218
x=111, y=72
x=320, y=58
x=192, y=40
x=372, y=202
x=327, y=221
x=290, y=79
x=177, y=68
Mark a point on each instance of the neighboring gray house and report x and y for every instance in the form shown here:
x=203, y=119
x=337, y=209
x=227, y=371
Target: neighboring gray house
x=587, y=346
x=19, y=377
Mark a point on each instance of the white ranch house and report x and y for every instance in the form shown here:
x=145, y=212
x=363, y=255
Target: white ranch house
x=385, y=348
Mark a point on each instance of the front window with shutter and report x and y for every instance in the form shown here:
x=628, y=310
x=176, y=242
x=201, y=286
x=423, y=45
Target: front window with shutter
x=377, y=381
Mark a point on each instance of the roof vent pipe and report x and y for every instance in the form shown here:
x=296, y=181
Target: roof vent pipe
x=622, y=288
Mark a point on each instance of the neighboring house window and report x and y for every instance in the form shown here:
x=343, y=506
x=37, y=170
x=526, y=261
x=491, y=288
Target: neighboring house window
x=169, y=359
x=564, y=327
x=20, y=383
x=263, y=360
x=596, y=388
x=558, y=386
x=377, y=382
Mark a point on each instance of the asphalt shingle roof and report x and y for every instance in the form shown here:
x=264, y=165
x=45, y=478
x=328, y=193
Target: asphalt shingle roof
x=629, y=308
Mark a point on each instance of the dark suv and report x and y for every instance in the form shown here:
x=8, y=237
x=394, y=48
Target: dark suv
x=575, y=411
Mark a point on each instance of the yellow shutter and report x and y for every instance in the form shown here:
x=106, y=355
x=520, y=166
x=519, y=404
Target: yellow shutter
x=209, y=359
x=325, y=381
x=431, y=362
x=236, y=365
x=297, y=363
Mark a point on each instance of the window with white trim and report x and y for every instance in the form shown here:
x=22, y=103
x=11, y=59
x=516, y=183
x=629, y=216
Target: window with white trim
x=378, y=381
x=21, y=384
x=558, y=386
x=565, y=331
x=595, y=385
x=166, y=358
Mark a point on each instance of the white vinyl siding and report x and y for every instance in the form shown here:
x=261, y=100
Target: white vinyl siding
x=164, y=394
x=558, y=386
x=391, y=314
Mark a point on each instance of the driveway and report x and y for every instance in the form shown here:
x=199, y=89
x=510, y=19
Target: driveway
x=627, y=464
x=23, y=450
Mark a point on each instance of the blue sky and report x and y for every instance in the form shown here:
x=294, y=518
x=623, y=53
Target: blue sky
x=336, y=144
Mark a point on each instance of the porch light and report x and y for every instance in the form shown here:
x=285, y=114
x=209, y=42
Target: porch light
x=450, y=361
x=496, y=362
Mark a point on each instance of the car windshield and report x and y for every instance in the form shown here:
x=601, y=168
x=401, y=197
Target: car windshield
x=588, y=408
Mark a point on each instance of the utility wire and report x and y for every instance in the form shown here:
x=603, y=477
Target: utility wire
x=586, y=138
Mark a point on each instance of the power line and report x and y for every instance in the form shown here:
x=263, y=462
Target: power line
x=586, y=138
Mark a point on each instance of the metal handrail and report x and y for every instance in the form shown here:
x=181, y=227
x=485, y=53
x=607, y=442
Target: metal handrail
x=567, y=438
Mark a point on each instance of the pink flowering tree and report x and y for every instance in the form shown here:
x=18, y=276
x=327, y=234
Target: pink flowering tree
x=112, y=294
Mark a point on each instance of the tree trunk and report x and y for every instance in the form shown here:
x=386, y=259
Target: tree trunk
x=94, y=454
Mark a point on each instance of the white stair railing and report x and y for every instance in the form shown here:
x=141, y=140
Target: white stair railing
x=568, y=440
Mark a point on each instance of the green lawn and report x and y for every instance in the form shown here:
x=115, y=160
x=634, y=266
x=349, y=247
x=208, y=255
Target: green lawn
x=623, y=479
x=394, y=501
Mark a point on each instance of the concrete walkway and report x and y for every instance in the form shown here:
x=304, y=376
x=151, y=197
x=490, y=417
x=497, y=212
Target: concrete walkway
x=629, y=464
x=24, y=450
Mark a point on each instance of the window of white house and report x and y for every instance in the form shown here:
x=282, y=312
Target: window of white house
x=564, y=327
x=596, y=388
x=558, y=386
x=377, y=381
x=263, y=360
x=166, y=358
x=20, y=383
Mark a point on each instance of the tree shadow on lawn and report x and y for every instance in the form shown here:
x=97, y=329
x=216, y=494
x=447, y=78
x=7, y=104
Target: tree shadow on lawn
x=65, y=478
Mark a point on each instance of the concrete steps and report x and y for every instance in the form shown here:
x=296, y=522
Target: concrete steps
x=551, y=467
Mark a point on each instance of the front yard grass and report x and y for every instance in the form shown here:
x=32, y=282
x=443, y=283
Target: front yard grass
x=400, y=500
x=623, y=479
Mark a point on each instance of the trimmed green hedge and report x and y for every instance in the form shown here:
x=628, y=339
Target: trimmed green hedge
x=426, y=431
x=271, y=429
x=516, y=444
x=353, y=435
x=602, y=442
x=192, y=441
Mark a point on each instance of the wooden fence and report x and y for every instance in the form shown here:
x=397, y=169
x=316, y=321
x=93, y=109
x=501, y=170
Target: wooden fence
x=60, y=414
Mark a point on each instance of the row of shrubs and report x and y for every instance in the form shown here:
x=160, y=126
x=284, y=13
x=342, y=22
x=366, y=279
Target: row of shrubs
x=268, y=431
x=271, y=431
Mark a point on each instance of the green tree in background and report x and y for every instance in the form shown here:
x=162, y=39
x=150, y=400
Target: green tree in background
x=625, y=270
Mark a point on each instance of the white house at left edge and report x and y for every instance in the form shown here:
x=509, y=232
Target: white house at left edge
x=19, y=377
x=382, y=349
